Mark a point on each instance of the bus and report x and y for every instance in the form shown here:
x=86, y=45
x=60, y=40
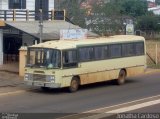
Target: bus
x=71, y=63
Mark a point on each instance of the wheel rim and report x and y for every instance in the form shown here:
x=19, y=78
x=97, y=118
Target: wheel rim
x=74, y=85
x=122, y=77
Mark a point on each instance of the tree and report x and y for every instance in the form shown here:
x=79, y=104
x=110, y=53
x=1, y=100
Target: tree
x=148, y=23
x=112, y=8
x=112, y=15
x=134, y=8
x=157, y=2
x=74, y=13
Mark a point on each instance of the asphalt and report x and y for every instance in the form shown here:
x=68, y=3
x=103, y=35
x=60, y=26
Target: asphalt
x=16, y=97
x=89, y=97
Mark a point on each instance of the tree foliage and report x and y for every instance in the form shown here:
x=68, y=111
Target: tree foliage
x=110, y=17
x=134, y=8
x=117, y=11
x=148, y=23
x=74, y=13
x=157, y=2
x=112, y=9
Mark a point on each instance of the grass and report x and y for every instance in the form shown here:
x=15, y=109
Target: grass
x=154, y=66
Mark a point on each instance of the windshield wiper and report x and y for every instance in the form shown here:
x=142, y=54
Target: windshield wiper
x=42, y=66
x=29, y=65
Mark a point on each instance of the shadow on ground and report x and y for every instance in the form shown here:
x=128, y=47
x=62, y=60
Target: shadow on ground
x=94, y=86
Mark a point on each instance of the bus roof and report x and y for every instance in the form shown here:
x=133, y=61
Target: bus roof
x=70, y=44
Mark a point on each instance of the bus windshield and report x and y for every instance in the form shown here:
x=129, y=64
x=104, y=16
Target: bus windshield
x=43, y=58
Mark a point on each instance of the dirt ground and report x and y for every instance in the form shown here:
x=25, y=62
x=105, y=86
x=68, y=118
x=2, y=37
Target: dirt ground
x=12, y=76
x=8, y=79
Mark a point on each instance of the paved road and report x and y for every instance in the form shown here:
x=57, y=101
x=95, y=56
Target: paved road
x=149, y=109
x=87, y=98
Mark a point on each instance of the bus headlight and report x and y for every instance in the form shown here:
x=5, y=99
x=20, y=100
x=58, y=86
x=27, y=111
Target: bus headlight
x=50, y=78
x=26, y=76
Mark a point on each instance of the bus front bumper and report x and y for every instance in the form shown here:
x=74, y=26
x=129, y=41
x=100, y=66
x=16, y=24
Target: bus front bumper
x=43, y=84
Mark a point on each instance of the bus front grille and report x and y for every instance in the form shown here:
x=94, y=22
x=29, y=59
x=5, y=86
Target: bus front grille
x=38, y=77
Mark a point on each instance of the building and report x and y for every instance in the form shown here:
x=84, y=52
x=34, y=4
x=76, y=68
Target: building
x=152, y=6
x=155, y=10
x=46, y=5
x=20, y=22
x=31, y=5
x=151, y=3
x=11, y=38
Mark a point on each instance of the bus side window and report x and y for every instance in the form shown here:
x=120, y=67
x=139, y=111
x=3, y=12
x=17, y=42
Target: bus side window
x=128, y=49
x=115, y=51
x=70, y=58
x=86, y=54
x=101, y=52
x=139, y=47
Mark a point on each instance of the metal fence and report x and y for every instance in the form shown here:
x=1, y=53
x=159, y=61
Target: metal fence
x=153, y=54
x=27, y=15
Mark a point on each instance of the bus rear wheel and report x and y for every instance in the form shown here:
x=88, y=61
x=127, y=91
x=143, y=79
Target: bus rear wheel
x=45, y=88
x=121, y=78
x=74, y=85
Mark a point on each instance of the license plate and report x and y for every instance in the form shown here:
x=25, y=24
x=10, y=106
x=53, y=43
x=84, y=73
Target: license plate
x=38, y=84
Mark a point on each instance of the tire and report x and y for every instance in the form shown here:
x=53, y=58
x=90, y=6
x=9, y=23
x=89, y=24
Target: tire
x=121, y=78
x=45, y=88
x=74, y=85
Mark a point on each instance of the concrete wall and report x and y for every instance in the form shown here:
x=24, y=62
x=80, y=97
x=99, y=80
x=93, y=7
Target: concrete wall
x=3, y=4
x=1, y=46
x=51, y=4
x=0, y=4
x=30, y=4
x=22, y=60
x=29, y=40
x=155, y=10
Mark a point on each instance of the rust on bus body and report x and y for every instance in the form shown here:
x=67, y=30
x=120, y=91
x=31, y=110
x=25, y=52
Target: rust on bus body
x=109, y=75
x=135, y=71
x=98, y=76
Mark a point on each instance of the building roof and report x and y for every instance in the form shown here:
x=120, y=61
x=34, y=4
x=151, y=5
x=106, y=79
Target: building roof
x=155, y=10
x=70, y=44
x=51, y=29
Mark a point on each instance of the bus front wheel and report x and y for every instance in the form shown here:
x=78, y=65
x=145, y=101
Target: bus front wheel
x=74, y=85
x=45, y=88
x=121, y=78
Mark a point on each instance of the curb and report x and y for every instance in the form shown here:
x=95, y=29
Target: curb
x=152, y=71
x=13, y=72
x=11, y=84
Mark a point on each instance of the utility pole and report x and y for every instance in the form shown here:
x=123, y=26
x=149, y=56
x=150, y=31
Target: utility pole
x=40, y=25
x=156, y=55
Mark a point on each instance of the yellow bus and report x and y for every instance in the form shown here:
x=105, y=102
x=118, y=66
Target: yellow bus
x=71, y=63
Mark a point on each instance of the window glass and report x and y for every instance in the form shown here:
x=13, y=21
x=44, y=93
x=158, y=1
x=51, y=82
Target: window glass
x=101, y=52
x=86, y=54
x=55, y=58
x=17, y=4
x=106, y=51
x=115, y=50
x=139, y=48
x=44, y=57
x=70, y=58
x=128, y=49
